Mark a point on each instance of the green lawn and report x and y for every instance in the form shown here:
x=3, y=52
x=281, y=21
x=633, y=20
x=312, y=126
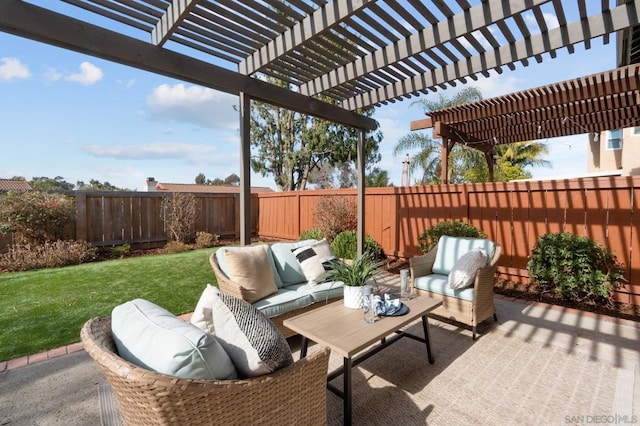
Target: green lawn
x=46, y=309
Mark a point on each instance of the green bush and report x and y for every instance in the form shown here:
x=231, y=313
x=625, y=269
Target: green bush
x=453, y=228
x=35, y=217
x=118, y=252
x=575, y=268
x=48, y=255
x=312, y=234
x=345, y=246
x=334, y=214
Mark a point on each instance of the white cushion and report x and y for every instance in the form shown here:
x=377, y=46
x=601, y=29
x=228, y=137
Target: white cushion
x=253, y=342
x=152, y=337
x=202, y=317
x=314, y=260
x=464, y=270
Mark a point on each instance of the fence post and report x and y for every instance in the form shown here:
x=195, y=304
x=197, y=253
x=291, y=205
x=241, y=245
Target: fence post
x=81, y=216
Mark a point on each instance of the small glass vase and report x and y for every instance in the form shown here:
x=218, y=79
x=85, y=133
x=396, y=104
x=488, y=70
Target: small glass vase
x=405, y=285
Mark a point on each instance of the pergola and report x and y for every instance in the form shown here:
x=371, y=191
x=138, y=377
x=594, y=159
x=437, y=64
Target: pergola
x=358, y=53
x=591, y=104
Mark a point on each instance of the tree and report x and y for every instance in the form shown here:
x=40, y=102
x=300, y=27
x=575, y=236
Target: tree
x=57, y=184
x=289, y=145
x=467, y=164
x=377, y=178
x=96, y=185
x=231, y=180
x=201, y=179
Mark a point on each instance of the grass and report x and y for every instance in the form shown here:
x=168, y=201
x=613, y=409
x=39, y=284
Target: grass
x=46, y=308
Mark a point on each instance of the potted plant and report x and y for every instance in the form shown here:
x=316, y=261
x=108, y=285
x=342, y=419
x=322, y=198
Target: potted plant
x=355, y=275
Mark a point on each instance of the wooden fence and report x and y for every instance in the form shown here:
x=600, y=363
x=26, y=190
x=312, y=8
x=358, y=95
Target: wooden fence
x=114, y=218
x=514, y=214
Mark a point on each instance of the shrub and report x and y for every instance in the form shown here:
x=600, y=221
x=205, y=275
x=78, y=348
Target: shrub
x=345, y=246
x=575, y=268
x=312, y=234
x=35, y=217
x=206, y=239
x=334, y=214
x=454, y=228
x=180, y=211
x=120, y=251
x=176, y=247
x=48, y=255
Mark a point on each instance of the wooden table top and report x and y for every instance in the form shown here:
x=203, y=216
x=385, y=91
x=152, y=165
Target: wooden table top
x=345, y=331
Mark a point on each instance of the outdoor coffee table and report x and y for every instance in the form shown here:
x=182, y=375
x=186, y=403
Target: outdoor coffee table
x=346, y=333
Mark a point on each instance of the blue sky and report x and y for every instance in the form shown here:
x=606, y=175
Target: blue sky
x=75, y=116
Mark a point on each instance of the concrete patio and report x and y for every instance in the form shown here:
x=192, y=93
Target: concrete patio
x=540, y=364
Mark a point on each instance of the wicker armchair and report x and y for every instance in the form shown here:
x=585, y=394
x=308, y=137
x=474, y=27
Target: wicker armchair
x=466, y=312
x=294, y=395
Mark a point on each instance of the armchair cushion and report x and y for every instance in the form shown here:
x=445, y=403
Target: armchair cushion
x=254, y=344
x=450, y=249
x=151, y=337
x=464, y=270
x=439, y=284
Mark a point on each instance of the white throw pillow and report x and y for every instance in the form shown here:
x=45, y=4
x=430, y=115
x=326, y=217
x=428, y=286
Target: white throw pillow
x=314, y=260
x=152, y=337
x=253, y=342
x=202, y=316
x=464, y=270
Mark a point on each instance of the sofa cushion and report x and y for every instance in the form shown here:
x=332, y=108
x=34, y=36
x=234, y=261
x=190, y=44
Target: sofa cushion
x=450, y=249
x=223, y=263
x=320, y=292
x=439, y=284
x=464, y=271
x=202, y=317
x=283, y=301
x=314, y=260
x=251, y=270
x=253, y=342
x=152, y=337
x=287, y=266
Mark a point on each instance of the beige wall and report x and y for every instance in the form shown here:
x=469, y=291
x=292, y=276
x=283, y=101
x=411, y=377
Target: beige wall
x=627, y=159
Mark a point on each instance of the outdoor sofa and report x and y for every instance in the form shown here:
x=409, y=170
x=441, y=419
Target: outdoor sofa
x=469, y=305
x=294, y=292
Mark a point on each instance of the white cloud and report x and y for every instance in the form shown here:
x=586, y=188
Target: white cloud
x=89, y=74
x=194, y=104
x=12, y=68
x=52, y=74
x=549, y=18
x=497, y=84
x=192, y=153
x=127, y=83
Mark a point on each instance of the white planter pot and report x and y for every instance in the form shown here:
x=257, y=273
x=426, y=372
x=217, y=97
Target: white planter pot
x=353, y=297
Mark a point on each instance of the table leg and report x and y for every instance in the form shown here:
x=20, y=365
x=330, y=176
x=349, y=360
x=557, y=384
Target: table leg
x=304, y=344
x=425, y=328
x=347, y=391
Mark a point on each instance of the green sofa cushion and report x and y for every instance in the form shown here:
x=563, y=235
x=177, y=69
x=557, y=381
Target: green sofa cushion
x=450, y=249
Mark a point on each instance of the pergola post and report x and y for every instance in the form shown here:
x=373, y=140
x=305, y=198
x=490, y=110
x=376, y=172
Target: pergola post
x=245, y=169
x=489, y=158
x=361, y=186
x=447, y=146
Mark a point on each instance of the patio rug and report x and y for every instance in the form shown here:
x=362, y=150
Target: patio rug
x=495, y=380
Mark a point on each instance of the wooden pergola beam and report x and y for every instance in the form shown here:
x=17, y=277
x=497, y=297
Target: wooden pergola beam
x=616, y=19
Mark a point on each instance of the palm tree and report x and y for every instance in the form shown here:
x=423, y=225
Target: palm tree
x=428, y=157
x=524, y=154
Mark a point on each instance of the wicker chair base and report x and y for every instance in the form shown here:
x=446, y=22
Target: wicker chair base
x=291, y=396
